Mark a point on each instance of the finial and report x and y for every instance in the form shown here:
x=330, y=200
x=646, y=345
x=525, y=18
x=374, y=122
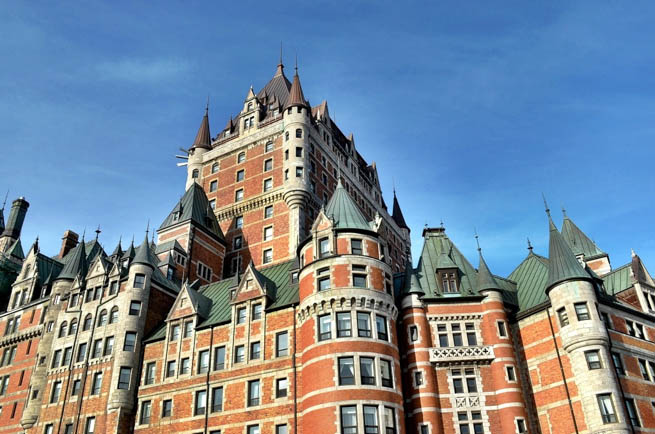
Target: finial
x=441, y=224
x=296, y=67
x=5, y=201
x=477, y=239
x=97, y=231
x=147, y=228
x=632, y=252
x=207, y=106
x=393, y=182
x=546, y=205
x=280, y=54
x=83, y=233
x=529, y=245
x=564, y=211
x=133, y=239
x=153, y=237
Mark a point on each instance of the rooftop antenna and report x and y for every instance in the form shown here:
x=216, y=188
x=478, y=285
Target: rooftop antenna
x=529, y=245
x=97, y=231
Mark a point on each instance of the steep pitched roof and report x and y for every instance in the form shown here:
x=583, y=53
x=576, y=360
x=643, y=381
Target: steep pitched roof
x=578, y=241
x=278, y=88
x=194, y=206
x=530, y=277
x=640, y=272
x=485, y=278
x=129, y=253
x=397, y=214
x=296, y=96
x=619, y=279
x=203, y=138
x=344, y=211
x=2, y=219
x=76, y=263
x=411, y=285
x=118, y=251
x=562, y=264
x=16, y=250
x=143, y=254
x=47, y=268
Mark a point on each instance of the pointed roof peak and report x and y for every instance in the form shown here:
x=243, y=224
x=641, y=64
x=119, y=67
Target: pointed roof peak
x=118, y=251
x=203, y=138
x=562, y=263
x=76, y=264
x=412, y=285
x=280, y=65
x=578, y=241
x=343, y=210
x=142, y=255
x=397, y=213
x=296, y=96
x=486, y=280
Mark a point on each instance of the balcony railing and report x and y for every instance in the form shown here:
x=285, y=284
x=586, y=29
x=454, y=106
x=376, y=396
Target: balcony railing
x=480, y=354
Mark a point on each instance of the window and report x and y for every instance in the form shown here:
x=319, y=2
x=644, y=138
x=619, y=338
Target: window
x=367, y=370
x=268, y=184
x=256, y=311
x=298, y=133
x=166, y=408
x=195, y=173
x=470, y=422
x=139, y=280
x=214, y=167
x=324, y=282
x=213, y=186
x=73, y=327
x=385, y=373
x=606, y=406
x=323, y=247
x=324, y=327
x=135, y=308
x=381, y=326
x=363, y=325
x=150, y=373
x=418, y=378
x=286, y=136
x=298, y=172
x=521, y=427
x=203, y=361
x=239, y=354
x=268, y=212
x=185, y=366
x=204, y=271
x=238, y=195
x=77, y=384
x=4, y=384
x=281, y=344
x=502, y=329
x=255, y=350
x=241, y=174
x=124, y=377
x=90, y=426
x=219, y=358
x=346, y=371
x=217, y=399
x=253, y=393
x=81, y=352
x=299, y=152
x=268, y=165
x=343, y=325
x=130, y=341
x=563, y=317
x=632, y=412
x=237, y=242
x=241, y=157
x=370, y=419
x=113, y=316
x=464, y=380
x=201, y=402
x=56, y=390
x=390, y=420
x=348, y=419
x=170, y=368
x=281, y=386
x=593, y=359
x=618, y=363
x=582, y=311
x=281, y=429
x=96, y=383
x=48, y=429
x=254, y=429
x=413, y=333
x=96, y=350
x=268, y=256
x=359, y=280
x=269, y=147
x=56, y=359
x=175, y=332
x=63, y=329
x=356, y=247
x=241, y=315
x=268, y=233
x=511, y=373
x=188, y=329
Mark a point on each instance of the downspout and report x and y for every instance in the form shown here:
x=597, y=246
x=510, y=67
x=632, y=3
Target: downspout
x=561, y=368
x=618, y=380
x=209, y=365
x=295, y=373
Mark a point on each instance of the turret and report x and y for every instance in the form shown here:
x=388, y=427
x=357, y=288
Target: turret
x=14, y=224
x=572, y=293
x=200, y=146
x=398, y=217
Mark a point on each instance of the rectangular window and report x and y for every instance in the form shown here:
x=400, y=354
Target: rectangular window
x=281, y=385
x=241, y=315
x=109, y=345
x=256, y=311
x=563, y=317
x=185, y=366
x=359, y=280
x=135, y=308
x=56, y=390
x=281, y=429
x=150, y=373
x=413, y=333
x=418, y=378
x=389, y=420
x=381, y=326
x=81, y=352
x=201, y=403
x=170, y=368
x=643, y=368
x=364, y=325
x=268, y=212
x=502, y=329
x=56, y=359
x=217, y=399
x=618, y=364
x=371, y=419
x=367, y=370
x=324, y=327
x=632, y=412
x=139, y=280
x=68, y=354
x=237, y=242
x=239, y=354
x=97, y=349
x=146, y=409
x=582, y=311
x=281, y=344
x=255, y=351
x=356, y=247
x=511, y=373
x=521, y=427
x=268, y=184
x=175, y=332
x=593, y=359
x=268, y=233
x=238, y=195
x=90, y=425
x=343, y=325
x=219, y=358
x=96, y=384
x=348, y=419
x=323, y=247
x=457, y=334
x=298, y=172
x=268, y=256
x=241, y=174
x=130, y=341
x=213, y=186
x=324, y=283
x=166, y=408
x=124, y=377
x=299, y=152
x=238, y=222
x=346, y=371
x=188, y=329
x=77, y=384
x=254, y=429
x=385, y=373
x=203, y=361
x=606, y=406
x=253, y=393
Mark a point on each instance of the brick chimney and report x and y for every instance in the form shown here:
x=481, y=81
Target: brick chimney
x=68, y=242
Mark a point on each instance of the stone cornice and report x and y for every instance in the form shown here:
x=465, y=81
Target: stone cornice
x=22, y=335
x=239, y=208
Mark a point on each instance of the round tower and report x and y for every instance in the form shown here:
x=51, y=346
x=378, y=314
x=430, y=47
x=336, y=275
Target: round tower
x=572, y=294
x=200, y=146
x=295, y=143
x=350, y=374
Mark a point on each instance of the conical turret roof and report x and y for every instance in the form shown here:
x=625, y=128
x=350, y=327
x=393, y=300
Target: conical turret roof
x=296, y=96
x=397, y=214
x=562, y=264
x=76, y=264
x=485, y=278
x=118, y=251
x=412, y=285
x=2, y=219
x=129, y=253
x=344, y=211
x=203, y=138
x=578, y=241
x=16, y=250
x=142, y=255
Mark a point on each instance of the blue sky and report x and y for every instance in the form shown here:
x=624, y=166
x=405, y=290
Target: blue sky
x=473, y=109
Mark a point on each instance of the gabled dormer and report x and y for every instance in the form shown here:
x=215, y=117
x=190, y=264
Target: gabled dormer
x=253, y=285
x=190, y=303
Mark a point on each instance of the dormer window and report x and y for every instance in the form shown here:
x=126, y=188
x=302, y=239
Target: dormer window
x=449, y=281
x=323, y=247
x=249, y=106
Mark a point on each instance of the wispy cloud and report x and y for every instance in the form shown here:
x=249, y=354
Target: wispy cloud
x=143, y=70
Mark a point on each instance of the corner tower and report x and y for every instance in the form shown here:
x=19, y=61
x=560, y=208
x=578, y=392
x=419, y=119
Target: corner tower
x=201, y=144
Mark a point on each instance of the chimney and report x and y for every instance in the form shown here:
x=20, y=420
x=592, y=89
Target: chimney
x=16, y=218
x=68, y=242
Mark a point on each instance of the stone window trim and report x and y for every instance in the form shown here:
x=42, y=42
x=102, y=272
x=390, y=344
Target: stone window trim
x=521, y=425
x=267, y=255
x=510, y=374
x=413, y=334
x=267, y=184
x=268, y=165
x=357, y=372
x=464, y=374
x=353, y=410
x=418, y=378
x=458, y=333
x=424, y=428
x=264, y=233
x=323, y=276
x=501, y=329
x=279, y=393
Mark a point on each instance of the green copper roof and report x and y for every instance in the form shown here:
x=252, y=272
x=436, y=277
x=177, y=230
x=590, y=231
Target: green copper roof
x=485, y=278
x=129, y=253
x=16, y=250
x=411, y=284
x=76, y=263
x=143, y=254
x=47, y=268
x=562, y=264
x=618, y=279
x=344, y=211
x=194, y=206
x=118, y=251
x=530, y=277
x=579, y=243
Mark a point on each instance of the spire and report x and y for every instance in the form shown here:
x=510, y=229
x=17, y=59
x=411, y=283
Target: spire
x=577, y=240
x=344, y=211
x=530, y=246
x=397, y=214
x=129, y=253
x=280, y=65
x=118, y=251
x=77, y=264
x=142, y=255
x=486, y=280
x=296, y=96
x=2, y=211
x=562, y=263
x=203, y=138
x=412, y=285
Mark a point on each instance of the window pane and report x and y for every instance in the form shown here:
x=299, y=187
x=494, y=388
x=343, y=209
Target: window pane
x=346, y=371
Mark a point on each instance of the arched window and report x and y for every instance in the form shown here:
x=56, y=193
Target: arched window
x=241, y=157
x=113, y=317
x=102, y=318
x=286, y=136
x=63, y=329
x=195, y=174
x=73, y=327
x=299, y=133
x=88, y=321
x=214, y=167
